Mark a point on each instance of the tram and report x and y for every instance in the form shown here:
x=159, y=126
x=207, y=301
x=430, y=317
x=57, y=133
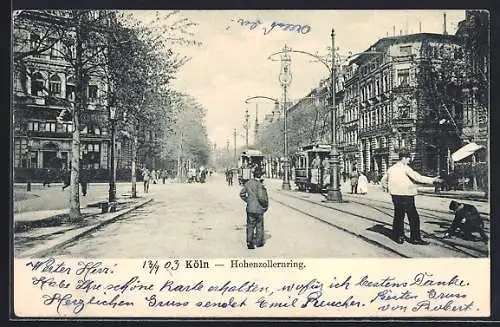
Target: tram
x=250, y=160
x=310, y=172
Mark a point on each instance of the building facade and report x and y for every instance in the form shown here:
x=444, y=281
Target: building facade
x=43, y=96
x=385, y=106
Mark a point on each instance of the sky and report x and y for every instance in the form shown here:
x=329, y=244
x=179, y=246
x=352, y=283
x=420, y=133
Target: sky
x=232, y=63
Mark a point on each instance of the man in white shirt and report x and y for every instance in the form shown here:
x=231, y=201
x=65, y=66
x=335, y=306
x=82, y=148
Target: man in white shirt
x=400, y=181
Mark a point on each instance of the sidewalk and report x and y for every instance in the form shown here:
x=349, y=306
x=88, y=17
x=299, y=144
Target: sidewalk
x=42, y=241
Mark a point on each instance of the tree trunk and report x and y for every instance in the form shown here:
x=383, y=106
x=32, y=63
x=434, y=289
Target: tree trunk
x=74, y=200
x=179, y=161
x=134, y=165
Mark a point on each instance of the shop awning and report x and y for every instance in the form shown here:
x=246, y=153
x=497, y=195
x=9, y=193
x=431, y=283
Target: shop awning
x=465, y=151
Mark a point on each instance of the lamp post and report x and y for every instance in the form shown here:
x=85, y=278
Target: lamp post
x=28, y=163
x=285, y=79
x=112, y=171
x=334, y=193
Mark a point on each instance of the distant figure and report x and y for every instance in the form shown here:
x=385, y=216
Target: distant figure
x=47, y=176
x=400, y=181
x=354, y=181
x=163, y=175
x=362, y=184
x=316, y=163
x=254, y=194
x=146, y=177
x=84, y=180
x=153, y=176
x=229, y=177
x=66, y=174
x=467, y=219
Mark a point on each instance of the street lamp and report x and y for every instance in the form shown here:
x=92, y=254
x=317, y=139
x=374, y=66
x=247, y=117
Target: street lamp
x=334, y=193
x=112, y=171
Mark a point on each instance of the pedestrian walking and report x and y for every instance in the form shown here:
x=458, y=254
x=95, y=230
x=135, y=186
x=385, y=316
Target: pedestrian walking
x=66, y=175
x=362, y=184
x=47, y=176
x=354, y=176
x=254, y=194
x=399, y=181
x=325, y=165
x=230, y=177
x=84, y=180
x=146, y=177
x=163, y=175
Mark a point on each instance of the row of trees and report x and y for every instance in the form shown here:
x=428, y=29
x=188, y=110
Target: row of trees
x=136, y=62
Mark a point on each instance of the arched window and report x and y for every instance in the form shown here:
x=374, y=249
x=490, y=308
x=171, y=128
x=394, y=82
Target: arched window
x=70, y=88
x=55, y=85
x=37, y=84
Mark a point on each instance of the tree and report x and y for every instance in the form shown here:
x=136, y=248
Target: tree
x=76, y=36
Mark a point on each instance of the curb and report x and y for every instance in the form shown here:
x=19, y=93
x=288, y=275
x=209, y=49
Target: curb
x=113, y=218
x=453, y=196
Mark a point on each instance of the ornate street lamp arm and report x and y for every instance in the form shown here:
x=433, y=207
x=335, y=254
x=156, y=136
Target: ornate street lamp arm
x=306, y=53
x=260, y=97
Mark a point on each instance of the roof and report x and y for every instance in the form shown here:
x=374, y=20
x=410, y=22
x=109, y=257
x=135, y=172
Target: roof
x=316, y=147
x=252, y=152
x=382, y=44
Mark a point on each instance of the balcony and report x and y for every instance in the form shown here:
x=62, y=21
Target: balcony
x=49, y=134
x=351, y=148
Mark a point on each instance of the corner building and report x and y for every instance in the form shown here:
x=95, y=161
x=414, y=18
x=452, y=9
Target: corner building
x=382, y=107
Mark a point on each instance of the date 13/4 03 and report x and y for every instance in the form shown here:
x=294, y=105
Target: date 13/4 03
x=153, y=266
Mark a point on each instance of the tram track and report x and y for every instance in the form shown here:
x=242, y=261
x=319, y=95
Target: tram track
x=437, y=241
x=345, y=230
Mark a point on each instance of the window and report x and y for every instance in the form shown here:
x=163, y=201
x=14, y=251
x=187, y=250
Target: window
x=50, y=127
x=34, y=44
x=67, y=128
x=403, y=76
x=92, y=93
x=70, y=89
x=33, y=160
x=55, y=85
x=404, y=112
x=405, y=50
x=37, y=84
x=92, y=156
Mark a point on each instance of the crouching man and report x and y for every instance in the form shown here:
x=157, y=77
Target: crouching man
x=467, y=219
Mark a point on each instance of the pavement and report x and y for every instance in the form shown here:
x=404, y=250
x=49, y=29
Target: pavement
x=37, y=232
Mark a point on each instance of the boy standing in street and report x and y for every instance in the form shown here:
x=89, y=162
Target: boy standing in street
x=254, y=194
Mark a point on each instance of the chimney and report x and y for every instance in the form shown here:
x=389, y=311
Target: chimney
x=444, y=24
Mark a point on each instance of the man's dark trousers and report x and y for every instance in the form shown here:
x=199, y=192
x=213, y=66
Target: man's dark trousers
x=405, y=204
x=255, y=228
